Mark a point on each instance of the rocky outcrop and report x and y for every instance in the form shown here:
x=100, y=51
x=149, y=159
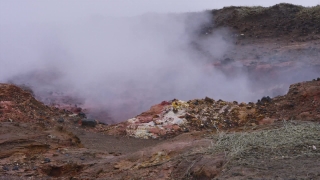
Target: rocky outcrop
x=18, y=105
x=302, y=102
x=170, y=118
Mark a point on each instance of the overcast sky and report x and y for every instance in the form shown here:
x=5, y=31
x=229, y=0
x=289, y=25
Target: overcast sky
x=63, y=10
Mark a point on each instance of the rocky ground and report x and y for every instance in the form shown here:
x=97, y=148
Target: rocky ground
x=273, y=138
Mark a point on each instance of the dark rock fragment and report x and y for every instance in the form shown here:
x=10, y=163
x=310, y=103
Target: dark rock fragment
x=209, y=100
x=102, y=123
x=266, y=99
x=259, y=102
x=89, y=122
x=227, y=61
x=15, y=168
x=291, y=105
x=60, y=120
x=82, y=115
x=47, y=160
x=5, y=168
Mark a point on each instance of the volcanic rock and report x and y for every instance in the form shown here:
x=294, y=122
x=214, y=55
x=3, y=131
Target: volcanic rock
x=15, y=168
x=60, y=120
x=88, y=122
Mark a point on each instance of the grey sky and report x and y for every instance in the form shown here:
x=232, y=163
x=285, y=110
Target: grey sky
x=63, y=10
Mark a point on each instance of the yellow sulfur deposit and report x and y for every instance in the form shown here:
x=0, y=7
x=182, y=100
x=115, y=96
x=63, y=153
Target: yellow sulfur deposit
x=178, y=105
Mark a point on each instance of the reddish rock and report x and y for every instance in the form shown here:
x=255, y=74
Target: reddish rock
x=164, y=103
x=145, y=119
x=155, y=130
x=175, y=127
x=266, y=121
x=308, y=116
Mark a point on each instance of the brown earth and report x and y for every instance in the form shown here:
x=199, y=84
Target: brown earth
x=44, y=142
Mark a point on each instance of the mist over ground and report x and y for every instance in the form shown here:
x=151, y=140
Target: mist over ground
x=121, y=65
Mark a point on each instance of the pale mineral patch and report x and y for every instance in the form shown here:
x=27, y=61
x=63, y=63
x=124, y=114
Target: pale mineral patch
x=171, y=115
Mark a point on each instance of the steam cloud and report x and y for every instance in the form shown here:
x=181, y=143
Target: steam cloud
x=120, y=65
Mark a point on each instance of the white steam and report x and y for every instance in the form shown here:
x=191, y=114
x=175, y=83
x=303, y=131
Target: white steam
x=123, y=65
x=120, y=65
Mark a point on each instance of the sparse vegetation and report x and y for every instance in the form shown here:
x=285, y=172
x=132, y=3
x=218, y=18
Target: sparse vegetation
x=306, y=12
x=292, y=140
x=310, y=12
x=278, y=20
x=247, y=11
